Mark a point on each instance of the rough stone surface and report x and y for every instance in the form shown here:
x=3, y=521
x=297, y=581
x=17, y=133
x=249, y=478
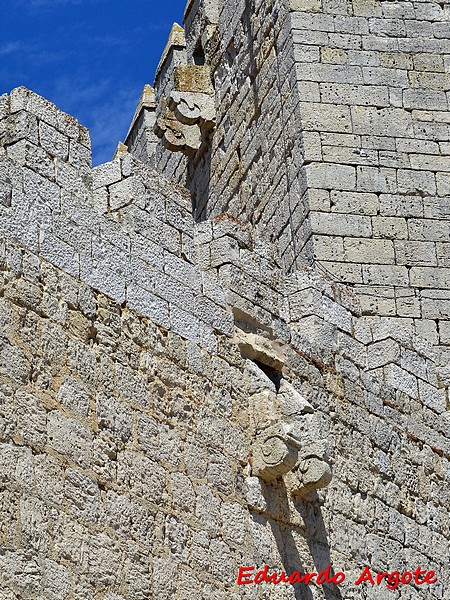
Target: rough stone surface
x=331, y=137
x=182, y=396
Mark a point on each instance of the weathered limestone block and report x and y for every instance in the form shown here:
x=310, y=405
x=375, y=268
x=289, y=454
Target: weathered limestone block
x=195, y=79
x=275, y=452
x=176, y=136
x=189, y=112
x=282, y=444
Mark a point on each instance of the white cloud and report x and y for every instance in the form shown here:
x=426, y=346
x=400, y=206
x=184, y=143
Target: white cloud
x=11, y=47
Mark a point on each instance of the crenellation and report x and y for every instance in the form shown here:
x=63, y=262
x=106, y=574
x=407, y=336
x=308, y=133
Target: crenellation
x=246, y=363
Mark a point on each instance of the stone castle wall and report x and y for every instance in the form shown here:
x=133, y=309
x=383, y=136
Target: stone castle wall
x=252, y=163
x=332, y=140
x=142, y=357
x=373, y=85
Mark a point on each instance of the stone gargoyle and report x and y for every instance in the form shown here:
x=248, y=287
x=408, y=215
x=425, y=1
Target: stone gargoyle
x=285, y=443
x=189, y=112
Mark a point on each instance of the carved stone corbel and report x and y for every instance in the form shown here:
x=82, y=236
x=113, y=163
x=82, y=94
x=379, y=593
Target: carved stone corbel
x=275, y=452
x=188, y=114
x=177, y=136
x=282, y=440
x=191, y=109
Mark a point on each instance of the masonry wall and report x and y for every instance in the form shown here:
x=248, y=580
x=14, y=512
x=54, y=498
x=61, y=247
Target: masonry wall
x=174, y=165
x=127, y=375
x=332, y=139
x=373, y=83
x=251, y=167
x=141, y=141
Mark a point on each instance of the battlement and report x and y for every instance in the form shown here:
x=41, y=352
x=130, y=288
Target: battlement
x=128, y=232
x=227, y=346
x=329, y=136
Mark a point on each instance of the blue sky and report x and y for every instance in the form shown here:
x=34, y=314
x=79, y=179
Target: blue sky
x=90, y=57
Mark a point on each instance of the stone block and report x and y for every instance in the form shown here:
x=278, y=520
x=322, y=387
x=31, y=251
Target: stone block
x=433, y=398
x=337, y=315
x=408, y=304
x=107, y=174
x=415, y=253
x=363, y=250
x=369, y=95
x=340, y=224
x=213, y=315
x=385, y=275
x=69, y=438
x=378, y=180
x=19, y=126
x=59, y=253
x=183, y=494
x=416, y=182
x=344, y=272
x=53, y=142
x=75, y=396
x=208, y=509
x=425, y=162
x=80, y=157
x=182, y=271
x=312, y=22
x=424, y=99
x=114, y=416
x=306, y=5
x=36, y=158
x=428, y=230
x=383, y=353
x=368, y=120
x=56, y=581
x=83, y=498
x=377, y=300
x=17, y=575
x=354, y=202
x=129, y=519
x=443, y=184
x=336, y=56
x=99, y=277
x=390, y=227
x=13, y=363
x=326, y=117
x=32, y=420
x=306, y=54
x=444, y=332
x=125, y=192
x=330, y=73
x=328, y=176
x=430, y=277
x=436, y=208
x=328, y=247
x=394, y=205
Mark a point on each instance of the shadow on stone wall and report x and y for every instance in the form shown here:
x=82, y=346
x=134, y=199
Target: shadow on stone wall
x=198, y=183
x=312, y=530
x=317, y=539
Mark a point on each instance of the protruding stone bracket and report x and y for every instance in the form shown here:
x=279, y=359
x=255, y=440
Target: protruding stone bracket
x=186, y=117
x=275, y=452
x=190, y=108
x=285, y=444
x=177, y=136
